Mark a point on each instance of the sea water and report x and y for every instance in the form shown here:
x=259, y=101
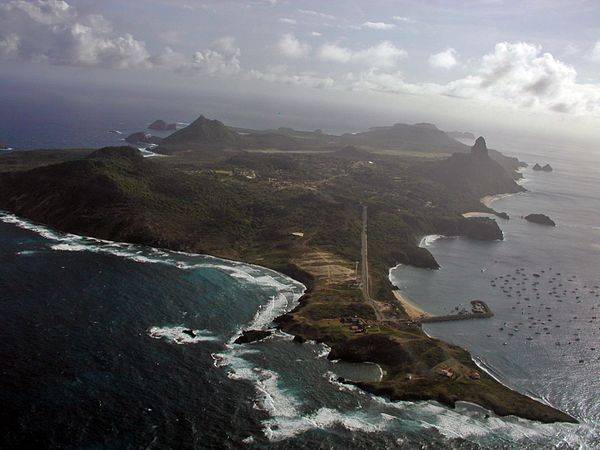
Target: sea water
x=542, y=283
x=95, y=352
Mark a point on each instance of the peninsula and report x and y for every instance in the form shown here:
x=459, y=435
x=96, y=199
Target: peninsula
x=306, y=204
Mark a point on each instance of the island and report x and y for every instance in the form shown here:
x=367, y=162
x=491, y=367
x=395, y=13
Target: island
x=333, y=212
x=161, y=125
x=541, y=219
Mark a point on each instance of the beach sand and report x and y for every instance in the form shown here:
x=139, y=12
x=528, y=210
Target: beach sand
x=413, y=311
x=476, y=214
x=487, y=201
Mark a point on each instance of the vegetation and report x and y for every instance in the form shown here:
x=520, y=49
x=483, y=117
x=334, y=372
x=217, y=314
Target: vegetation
x=298, y=213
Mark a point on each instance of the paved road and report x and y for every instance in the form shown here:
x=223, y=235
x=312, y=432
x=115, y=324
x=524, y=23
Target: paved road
x=365, y=283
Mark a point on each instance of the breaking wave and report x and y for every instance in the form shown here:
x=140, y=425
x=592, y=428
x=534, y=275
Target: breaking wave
x=181, y=335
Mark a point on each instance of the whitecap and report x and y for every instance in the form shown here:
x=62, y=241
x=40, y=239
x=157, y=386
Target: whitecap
x=181, y=335
x=428, y=240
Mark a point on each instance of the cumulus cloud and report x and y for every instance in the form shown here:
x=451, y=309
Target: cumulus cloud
x=513, y=74
x=403, y=19
x=444, y=60
x=520, y=74
x=595, y=52
x=53, y=31
x=378, y=25
x=281, y=74
x=288, y=21
x=384, y=54
x=291, y=47
x=310, y=12
x=222, y=58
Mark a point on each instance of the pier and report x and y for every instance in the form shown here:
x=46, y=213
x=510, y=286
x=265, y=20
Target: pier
x=479, y=310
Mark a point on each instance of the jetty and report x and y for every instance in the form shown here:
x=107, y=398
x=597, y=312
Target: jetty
x=479, y=310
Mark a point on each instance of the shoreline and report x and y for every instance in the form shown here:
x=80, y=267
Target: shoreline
x=487, y=202
x=413, y=311
x=497, y=398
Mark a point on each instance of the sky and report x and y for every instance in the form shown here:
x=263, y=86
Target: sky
x=522, y=65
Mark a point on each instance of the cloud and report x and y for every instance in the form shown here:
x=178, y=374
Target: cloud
x=310, y=12
x=444, y=60
x=287, y=21
x=403, y=19
x=384, y=54
x=280, y=74
x=378, y=25
x=52, y=31
x=520, y=74
x=221, y=59
x=316, y=33
x=595, y=52
x=291, y=47
x=513, y=74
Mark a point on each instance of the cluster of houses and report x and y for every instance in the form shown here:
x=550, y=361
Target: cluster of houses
x=357, y=325
x=450, y=372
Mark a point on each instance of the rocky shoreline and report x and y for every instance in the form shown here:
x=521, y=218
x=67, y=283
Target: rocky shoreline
x=210, y=206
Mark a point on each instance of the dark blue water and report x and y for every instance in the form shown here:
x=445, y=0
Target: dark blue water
x=94, y=356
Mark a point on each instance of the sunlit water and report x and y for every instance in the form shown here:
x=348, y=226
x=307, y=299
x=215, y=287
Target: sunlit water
x=541, y=282
x=95, y=355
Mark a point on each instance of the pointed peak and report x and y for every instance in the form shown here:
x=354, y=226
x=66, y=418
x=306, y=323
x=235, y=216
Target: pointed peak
x=480, y=147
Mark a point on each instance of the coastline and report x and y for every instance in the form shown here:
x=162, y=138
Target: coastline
x=353, y=350
x=487, y=201
x=413, y=311
x=395, y=340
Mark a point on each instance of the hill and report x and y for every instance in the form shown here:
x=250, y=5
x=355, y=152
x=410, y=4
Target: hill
x=299, y=214
x=210, y=138
x=479, y=173
x=202, y=134
x=421, y=137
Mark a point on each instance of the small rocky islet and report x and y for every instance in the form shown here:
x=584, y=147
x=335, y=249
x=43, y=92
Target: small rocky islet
x=541, y=219
x=545, y=168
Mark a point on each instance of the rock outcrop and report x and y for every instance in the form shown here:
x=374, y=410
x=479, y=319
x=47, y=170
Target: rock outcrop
x=546, y=168
x=475, y=173
x=480, y=148
x=143, y=138
x=483, y=229
x=252, y=336
x=542, y=219
x=161, y=125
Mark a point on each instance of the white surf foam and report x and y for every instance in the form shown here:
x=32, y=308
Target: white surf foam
x=428, y=240
x=181, y=335
x=186, y=261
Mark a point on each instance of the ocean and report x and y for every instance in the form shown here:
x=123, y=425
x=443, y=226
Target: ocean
x=543, y=284
x=97, y=353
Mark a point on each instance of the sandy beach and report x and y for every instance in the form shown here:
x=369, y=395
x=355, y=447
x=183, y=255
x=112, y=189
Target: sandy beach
x=413, y=311
x=476, y=214
x=487, y=201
